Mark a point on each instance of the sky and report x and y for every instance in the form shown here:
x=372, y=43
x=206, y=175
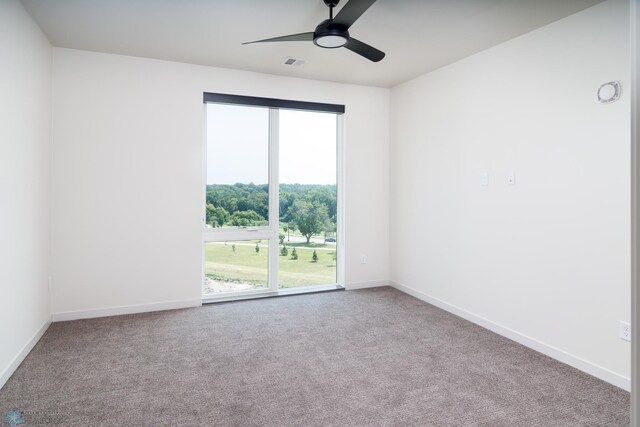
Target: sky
x=238, y=145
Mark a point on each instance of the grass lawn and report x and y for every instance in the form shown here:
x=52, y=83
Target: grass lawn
x=244, y=265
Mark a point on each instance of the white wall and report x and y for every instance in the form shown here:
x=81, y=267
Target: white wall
x=545, y=261
x=127, y=176
x=25, y=135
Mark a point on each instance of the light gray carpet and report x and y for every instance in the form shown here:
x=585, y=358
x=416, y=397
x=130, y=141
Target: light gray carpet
x=354, y=358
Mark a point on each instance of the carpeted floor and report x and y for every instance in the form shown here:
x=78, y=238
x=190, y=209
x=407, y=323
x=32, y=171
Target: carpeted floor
x=355, y=358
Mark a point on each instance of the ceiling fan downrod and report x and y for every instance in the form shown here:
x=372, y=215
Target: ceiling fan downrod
x=331, y=4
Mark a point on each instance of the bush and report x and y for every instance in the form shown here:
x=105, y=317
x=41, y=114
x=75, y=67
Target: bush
x=294, y=254
x=314, y=257
x=284, y=251
x=257, y=249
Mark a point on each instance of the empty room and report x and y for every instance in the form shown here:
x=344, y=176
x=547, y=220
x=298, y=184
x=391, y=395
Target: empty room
x=318, y=213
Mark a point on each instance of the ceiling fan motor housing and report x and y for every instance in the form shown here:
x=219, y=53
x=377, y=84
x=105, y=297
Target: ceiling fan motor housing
x=329, y=35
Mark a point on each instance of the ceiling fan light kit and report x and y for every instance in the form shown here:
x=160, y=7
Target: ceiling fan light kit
x=334, y=32
x=330, y=41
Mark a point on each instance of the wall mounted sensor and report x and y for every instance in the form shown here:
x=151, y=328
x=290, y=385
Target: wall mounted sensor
x=609, y=92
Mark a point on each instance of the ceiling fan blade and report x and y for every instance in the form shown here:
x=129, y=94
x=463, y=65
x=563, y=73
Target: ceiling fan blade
x=302, y=37
x=363, y=49
x=352, y=11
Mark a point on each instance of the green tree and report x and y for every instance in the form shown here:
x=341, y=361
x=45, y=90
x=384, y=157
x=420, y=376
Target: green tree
x=232, y=204
x=246, y=218
x=314, y=257
x=217, y=216
x=257, y=248
x=324, y=195
x=210, y=212
x=287, y=198
x=294, y=254
x=284, y=251
x=281, y=238
x=309, y=218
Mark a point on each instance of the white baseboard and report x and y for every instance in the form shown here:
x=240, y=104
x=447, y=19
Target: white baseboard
x=129, y=309
x=553, y=352
x=363, y=285
x=23, y=353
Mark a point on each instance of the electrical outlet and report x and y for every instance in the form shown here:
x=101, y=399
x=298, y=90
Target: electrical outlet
x=363, y=259
x=625, y=331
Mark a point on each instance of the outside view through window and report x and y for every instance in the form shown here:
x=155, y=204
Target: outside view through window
x=237, y=197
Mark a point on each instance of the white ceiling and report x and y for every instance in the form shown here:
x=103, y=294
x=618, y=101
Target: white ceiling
x=417, y=35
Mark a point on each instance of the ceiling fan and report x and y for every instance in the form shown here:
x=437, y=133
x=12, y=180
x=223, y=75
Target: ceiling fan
x=334, y=32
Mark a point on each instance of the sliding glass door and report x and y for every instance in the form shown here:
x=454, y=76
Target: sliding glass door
x=271, y=217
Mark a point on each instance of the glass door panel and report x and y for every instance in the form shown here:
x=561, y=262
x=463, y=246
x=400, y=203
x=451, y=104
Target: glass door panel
x=307, y=251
